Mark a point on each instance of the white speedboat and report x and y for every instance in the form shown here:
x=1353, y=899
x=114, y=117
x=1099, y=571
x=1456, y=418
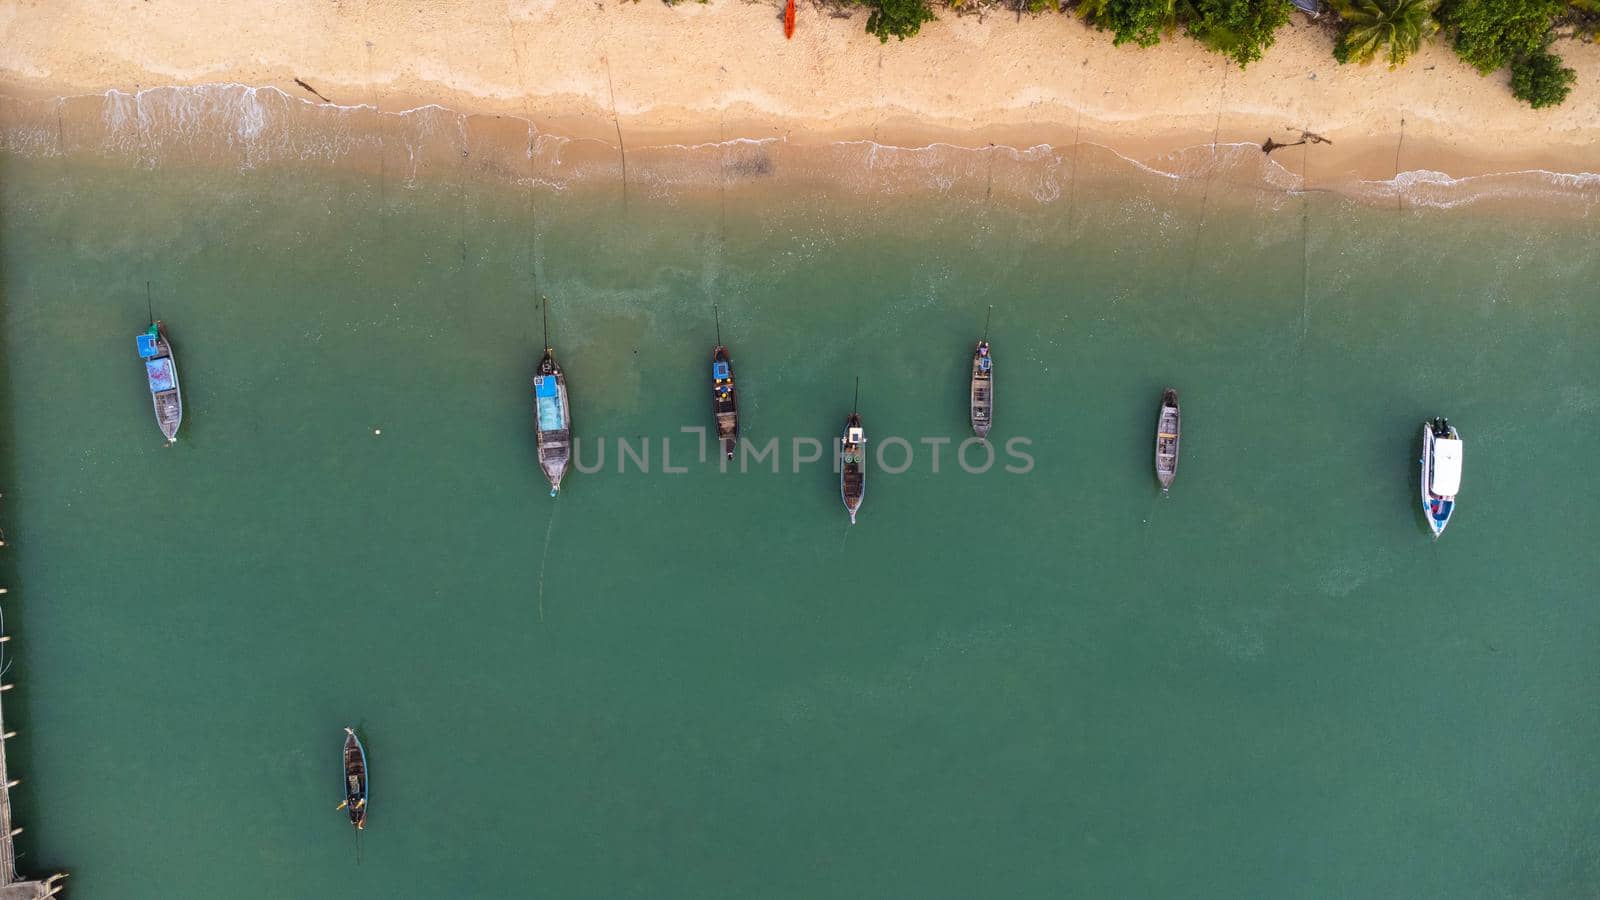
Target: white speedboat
x=1441, y=472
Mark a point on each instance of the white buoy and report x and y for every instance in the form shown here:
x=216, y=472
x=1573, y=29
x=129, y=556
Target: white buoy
x=377, y=431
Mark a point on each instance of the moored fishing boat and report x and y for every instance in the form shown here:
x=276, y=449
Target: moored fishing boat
x=1169, y=429
x=161, y=372
x=355, y=779
x=552, y=420
x=981, y=388
x=724, y=395
x=552, y=416
x=853, y=460
x=1441, y=472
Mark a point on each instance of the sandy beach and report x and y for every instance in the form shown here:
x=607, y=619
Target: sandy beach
x=643, y=74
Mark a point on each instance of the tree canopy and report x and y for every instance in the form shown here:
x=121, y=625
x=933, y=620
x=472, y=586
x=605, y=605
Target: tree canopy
x=1131, y=21
x=1540, y=80
x=1238, y=29
x=896, y=18
x=1492, y=33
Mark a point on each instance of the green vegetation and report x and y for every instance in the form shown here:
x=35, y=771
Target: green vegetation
x=1490, y=34
x=1131, y=21
x=1541, y=80
x=1585, y=19
x=1373, y=25
x=896, y=18
x=1238, y=29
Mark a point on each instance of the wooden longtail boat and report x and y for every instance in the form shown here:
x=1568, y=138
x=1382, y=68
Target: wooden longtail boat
x=853, y=461
x=552, y=420
x=552, y=416
x=788, y=20
x=161, y=371
x=1168, y=429
x=355, y=779
x=724, y=396
x=982, y=389
x=981, y=399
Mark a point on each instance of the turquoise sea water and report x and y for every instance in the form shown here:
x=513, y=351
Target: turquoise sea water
x=1270, y=683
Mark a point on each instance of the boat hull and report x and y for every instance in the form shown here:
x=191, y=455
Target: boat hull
x=981, y=391
x=1437, y=508
x=1169, y=434
x=853, y=466
x=724, y=400
x=354, y=759
x=161, y=376
x=552, y=421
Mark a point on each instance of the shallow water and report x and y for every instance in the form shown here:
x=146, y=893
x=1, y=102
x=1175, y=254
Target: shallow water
x=1269, y=683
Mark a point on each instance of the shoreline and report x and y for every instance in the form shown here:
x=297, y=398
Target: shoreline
x=650, y=78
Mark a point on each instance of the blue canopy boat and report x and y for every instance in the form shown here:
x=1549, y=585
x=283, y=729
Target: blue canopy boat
x=161, y=371
x=552, y=417
x=724, y=400
x=552, y=420
x=355, y=779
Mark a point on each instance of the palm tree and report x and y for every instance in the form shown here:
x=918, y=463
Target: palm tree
x=1371, y=25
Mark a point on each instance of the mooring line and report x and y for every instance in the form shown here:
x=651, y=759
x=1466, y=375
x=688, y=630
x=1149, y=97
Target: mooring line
x=1205, y=193
x=377, y=110
x=622, y=150
x=545, y=556
x=1305, y=246
x=1399, y=201
x=1077, y=137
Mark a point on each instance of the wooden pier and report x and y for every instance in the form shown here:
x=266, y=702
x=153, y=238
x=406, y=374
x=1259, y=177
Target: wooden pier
x=12, y=885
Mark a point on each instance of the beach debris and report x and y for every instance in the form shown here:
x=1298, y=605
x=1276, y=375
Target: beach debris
x=1306, y=137
x=314, y=92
